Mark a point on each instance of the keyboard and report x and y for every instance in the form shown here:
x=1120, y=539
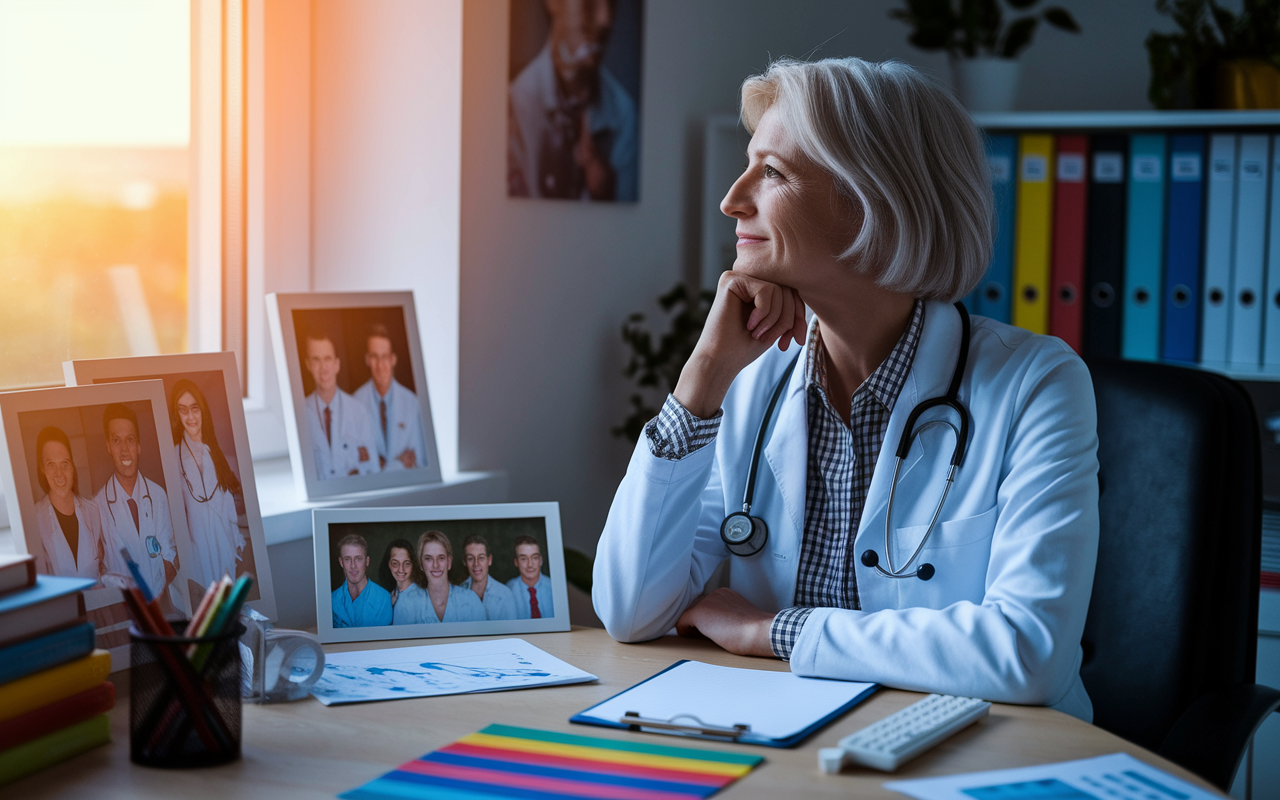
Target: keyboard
x=900, y=737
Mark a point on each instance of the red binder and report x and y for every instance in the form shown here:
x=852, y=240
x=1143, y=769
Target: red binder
x=1066, y=272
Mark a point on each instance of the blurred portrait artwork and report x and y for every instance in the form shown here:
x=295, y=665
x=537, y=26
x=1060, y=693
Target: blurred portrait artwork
x=90, y=481
x=357, y=411
x=573, y=99
x=207, y=433
x=398, y=573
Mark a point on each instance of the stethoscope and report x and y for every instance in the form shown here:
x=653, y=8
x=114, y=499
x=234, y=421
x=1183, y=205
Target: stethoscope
x=745, y=535
x=151, y=542
x=191, y=489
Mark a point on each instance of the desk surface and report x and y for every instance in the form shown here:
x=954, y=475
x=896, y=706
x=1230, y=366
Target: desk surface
x=306, y=750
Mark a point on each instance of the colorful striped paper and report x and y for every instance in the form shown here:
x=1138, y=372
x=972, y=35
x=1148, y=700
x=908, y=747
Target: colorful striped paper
x=505, y=762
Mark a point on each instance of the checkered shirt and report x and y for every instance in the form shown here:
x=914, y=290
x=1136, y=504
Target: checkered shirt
x=841, y=459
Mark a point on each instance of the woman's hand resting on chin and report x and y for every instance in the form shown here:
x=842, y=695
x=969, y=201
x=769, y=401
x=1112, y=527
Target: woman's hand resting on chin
x=748, y=316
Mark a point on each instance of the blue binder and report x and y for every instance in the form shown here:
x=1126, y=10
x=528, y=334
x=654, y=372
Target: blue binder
x=1181, y=332
x=1248, y=257
x=1144, y=248
x=1219, y=233
x=993, y=298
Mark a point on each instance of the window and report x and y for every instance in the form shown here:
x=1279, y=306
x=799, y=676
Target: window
x=95, y=118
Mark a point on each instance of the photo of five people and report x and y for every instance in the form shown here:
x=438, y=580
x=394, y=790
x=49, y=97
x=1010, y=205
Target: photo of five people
x=410, y=573
x=211, y=488
x=100, y=487
x=362, y=411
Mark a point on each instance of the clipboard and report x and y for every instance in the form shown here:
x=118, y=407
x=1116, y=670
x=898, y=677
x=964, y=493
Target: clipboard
x=774, y=709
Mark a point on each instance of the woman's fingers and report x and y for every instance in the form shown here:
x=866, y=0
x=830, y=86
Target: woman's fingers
x=799, y=327
x=769, y=303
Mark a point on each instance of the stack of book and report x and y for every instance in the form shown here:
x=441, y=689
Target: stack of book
x=1140, y=244
x=54, y=693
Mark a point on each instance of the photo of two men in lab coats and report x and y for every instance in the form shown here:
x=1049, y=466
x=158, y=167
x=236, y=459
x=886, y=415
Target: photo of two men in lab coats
x=361, y=414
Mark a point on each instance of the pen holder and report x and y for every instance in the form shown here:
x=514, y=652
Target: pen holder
x=184, y=698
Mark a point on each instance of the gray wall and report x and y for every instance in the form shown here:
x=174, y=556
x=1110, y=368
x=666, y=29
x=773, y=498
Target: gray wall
x=547, y=284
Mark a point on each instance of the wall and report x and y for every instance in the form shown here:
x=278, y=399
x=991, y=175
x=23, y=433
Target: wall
x=385, y=134
x=547, y=284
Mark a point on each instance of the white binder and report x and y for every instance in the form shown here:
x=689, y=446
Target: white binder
x=1271, y=302
x=1249, y=254
x=1219, y=235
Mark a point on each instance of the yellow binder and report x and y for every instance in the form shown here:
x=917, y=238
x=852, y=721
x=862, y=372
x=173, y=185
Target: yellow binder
x=1034, y=232
x=53, y=684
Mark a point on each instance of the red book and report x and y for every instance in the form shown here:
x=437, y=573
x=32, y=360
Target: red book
x=58, y=715
x=1066, y=271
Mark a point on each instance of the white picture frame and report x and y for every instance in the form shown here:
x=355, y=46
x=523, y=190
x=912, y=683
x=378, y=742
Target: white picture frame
x=78, y=413
x=501, y=524
x=346, y=320
x=216, y=378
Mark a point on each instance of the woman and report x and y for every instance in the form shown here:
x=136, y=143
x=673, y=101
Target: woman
x=403, y=570
x=70, y=526
x=442, y=601
x=208, y=486
x=866, y=197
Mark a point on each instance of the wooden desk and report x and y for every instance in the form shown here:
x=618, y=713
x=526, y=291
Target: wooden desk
x=305, y=750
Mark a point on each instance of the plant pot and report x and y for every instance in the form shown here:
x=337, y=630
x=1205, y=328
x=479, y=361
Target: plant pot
x=986, y=83
x=1247, y=83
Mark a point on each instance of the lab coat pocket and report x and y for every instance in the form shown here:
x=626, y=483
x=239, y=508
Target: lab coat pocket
x=958, y=549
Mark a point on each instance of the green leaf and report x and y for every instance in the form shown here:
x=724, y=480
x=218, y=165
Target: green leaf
x=1019, y=37
x=577, y=569
x=1061, y=19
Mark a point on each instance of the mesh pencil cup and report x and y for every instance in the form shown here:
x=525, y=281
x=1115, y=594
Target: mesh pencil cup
x=184, y=698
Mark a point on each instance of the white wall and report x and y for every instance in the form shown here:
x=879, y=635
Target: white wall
x=547, y=284
x=385, y=136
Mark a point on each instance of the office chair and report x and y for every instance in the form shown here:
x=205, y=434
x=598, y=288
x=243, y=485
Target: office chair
x=1170, y=643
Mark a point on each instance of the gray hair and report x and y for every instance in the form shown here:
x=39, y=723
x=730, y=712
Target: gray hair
x=900, y=145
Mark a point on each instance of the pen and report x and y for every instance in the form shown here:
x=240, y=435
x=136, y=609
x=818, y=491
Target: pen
x=137, y=575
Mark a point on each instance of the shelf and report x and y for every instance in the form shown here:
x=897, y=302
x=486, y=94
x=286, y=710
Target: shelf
x=1236, y=371
x=1128, y=120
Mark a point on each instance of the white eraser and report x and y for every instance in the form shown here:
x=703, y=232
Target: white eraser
x=831, y=759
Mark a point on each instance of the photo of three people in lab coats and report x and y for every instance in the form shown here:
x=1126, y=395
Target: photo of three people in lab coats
x=385, y=574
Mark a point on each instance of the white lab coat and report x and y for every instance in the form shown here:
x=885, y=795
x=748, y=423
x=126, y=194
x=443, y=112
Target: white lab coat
x=153, y=520
x=87, y=561
x=352, y=429
x=1014, y=550
x=404, y=424
x=214, y=524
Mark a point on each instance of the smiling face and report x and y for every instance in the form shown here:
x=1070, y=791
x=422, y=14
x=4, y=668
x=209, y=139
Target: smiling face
x=122, y=444
x=579, y=32
x=478, y=562
x=323, y=364
x=55, y=463
x=529, y=562
x=381, y=361
x=190, y=416
x=401, y=565
x=355, y=563
x=792, y=223
x=436, y=563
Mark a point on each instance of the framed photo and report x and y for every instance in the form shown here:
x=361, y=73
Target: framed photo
x=430, y=571
x=354, y=391
x=89, y=470
x=207, y=433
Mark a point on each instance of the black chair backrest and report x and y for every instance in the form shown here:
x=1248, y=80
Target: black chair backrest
x=1174, y=612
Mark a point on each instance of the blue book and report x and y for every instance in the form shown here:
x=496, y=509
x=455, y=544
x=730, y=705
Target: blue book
x=1219, y=233
x=52, y=603
x=1249, y=254
x=1144, y=248
x=1181, y=324
x=32, y=655
x=993, y=299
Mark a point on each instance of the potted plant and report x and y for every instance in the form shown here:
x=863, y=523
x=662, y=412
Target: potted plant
x=1216, y=58
x=983, y=43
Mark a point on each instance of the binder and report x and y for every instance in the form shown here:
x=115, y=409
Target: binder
x=705, y=701
x=1245, y=347
x=1219, y=233
x=1180, y=334
x=1104, y=265
x=1032, y=245
x=1144, y=248
x=1066, y=301
x=993, y=298
x=1271, y=304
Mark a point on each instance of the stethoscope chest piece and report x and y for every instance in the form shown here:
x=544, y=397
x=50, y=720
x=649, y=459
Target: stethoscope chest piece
x=744, y=535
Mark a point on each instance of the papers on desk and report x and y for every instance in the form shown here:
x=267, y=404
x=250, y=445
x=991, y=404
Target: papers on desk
x=495, y=665
x=780, y=709
x=1118, y=776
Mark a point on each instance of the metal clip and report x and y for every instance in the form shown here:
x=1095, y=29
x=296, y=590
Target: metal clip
x=635, y=722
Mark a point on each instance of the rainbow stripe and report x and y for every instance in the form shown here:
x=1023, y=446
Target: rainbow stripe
x=505, y=762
